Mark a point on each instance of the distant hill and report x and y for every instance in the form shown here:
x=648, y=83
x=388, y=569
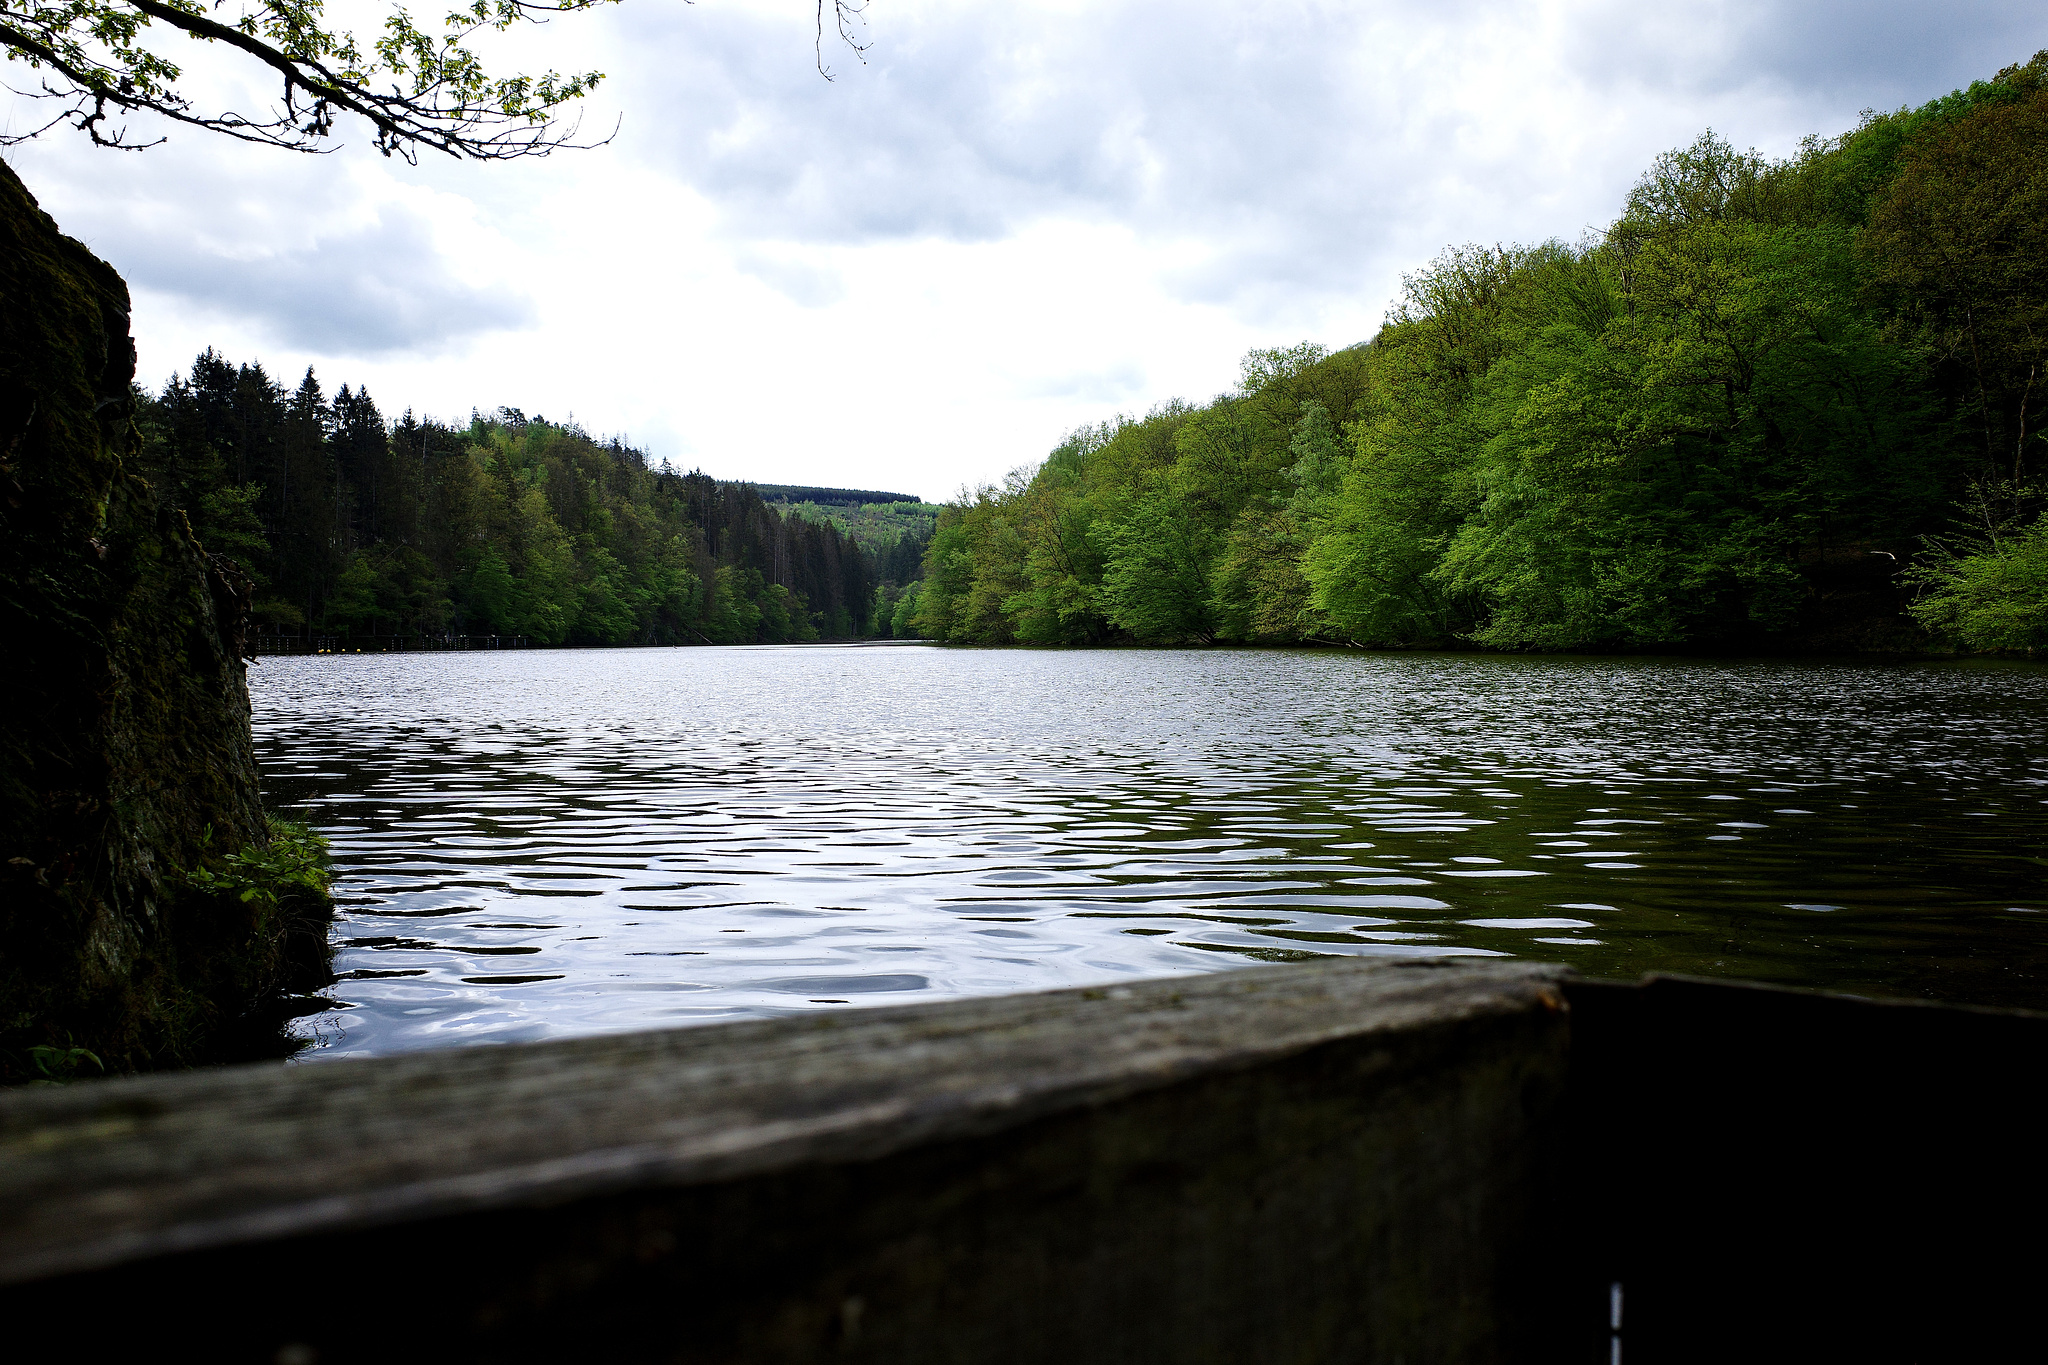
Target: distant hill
x=829, y=497
x=894, y=532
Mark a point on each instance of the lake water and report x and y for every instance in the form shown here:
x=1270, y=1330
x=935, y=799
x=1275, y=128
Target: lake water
x=547, y=843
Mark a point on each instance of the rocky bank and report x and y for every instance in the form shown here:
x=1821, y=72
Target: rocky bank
x=141, y=917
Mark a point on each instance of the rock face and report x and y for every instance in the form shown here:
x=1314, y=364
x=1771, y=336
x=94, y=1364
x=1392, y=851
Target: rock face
x=125, y=752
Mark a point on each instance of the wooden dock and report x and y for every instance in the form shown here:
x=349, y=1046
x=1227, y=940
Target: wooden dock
x=1333, y=1161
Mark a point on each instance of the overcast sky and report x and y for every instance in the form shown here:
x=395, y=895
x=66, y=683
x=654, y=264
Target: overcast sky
x=1010, y=220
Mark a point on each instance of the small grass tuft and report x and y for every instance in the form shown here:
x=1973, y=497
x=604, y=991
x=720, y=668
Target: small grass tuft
x=58, y=1065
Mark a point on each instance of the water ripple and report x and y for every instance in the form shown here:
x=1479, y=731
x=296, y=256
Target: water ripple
x=542, y=844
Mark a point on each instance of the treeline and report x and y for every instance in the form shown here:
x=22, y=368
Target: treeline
x=1774, y=401
x=895, y=533
x=829, y=497
x=879, y=526
x=354, y=526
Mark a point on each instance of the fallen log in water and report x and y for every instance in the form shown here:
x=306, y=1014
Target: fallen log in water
x=1331, y=1161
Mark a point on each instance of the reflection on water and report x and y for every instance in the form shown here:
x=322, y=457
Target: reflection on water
x=539, y=844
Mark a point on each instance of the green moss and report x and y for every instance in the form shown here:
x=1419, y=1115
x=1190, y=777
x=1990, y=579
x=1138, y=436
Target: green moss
x=130, y=823
x=243, y=940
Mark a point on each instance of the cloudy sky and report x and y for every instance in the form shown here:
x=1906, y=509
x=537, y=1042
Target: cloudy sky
x=1009, y=220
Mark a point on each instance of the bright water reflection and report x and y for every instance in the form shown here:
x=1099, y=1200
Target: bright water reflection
x=550, y=843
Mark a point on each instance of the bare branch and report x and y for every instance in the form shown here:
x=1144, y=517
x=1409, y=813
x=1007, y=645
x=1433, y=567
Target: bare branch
x=844, y=17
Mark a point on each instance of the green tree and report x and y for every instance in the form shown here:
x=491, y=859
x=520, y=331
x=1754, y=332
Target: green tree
x=604, y=616
x=948, y=574
x=353, y=606
x=1992, y=595
x=1958, y=249
x=1054, y=514
x=1653, y=482
x=492, y=598
x=228, y=523
x=903, y=620
x=1156, y=581
x=1259, y=587
x=738, y=620
x=1665, y=434
x=412, y=591
x=1319, y=462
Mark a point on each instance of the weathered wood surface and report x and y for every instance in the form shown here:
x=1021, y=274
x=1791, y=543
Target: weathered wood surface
x=1452, y=1162
x=98, y=1174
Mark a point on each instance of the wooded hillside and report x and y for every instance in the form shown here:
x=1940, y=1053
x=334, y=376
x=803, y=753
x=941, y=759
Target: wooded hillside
x=356, y=526
x=1786, y=403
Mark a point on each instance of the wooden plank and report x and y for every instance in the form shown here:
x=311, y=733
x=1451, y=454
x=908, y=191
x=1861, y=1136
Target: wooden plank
x=97, y=1174
x=1340, y=1160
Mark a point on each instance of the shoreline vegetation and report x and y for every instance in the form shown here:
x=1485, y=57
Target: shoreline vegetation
x=153, y=914
x=1777, y=406
x=354, y=529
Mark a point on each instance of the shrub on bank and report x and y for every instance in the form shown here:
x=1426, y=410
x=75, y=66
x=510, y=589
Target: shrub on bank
x=1992, y=597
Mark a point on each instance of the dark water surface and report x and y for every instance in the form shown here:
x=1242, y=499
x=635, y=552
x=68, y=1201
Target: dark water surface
x=547, y=843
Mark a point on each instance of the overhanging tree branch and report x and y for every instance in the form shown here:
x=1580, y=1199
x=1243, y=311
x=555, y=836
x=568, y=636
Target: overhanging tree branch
x=414, y=87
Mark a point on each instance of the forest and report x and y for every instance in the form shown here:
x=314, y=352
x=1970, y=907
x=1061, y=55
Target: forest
x=1786, y=402
x=895, y=532
x=880, y=526
x=354, y=528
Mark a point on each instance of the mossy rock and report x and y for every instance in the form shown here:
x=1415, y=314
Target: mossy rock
x=126, y=758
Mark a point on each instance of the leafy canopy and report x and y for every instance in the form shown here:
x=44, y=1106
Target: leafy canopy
x=1726, y=420
x=418, y=83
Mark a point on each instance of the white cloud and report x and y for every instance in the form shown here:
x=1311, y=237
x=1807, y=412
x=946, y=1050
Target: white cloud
x=1012, y=219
